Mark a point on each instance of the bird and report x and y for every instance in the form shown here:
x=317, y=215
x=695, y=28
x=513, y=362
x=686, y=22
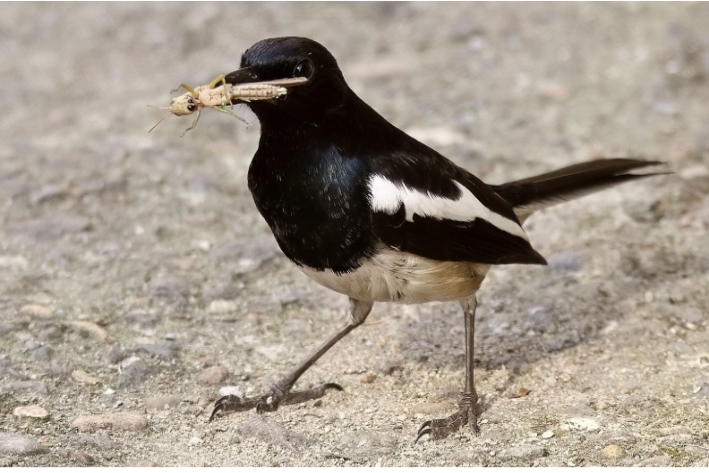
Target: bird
x=368, y=211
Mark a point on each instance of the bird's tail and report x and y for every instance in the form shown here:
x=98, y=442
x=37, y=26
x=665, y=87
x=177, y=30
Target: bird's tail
x=545, y=190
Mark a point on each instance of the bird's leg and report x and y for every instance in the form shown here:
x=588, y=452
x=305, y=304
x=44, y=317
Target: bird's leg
x=467, y=408
x=280, y=392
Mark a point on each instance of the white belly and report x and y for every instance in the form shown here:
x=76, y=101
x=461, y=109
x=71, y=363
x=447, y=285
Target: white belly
x=395, y=276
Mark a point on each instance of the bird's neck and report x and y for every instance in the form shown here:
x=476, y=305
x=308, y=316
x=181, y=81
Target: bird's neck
x=349, y=126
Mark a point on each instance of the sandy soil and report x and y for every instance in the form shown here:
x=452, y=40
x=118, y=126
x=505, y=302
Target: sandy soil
x=132, y=266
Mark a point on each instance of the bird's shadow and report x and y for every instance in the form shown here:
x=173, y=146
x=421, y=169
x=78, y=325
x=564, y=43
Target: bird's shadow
x=519, y=324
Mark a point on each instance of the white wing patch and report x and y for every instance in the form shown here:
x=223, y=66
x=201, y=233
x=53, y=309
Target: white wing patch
x=385, y=196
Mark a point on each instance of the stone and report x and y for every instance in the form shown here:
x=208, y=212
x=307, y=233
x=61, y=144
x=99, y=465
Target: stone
x=37, y=310
x=548, y=434
x=613, y=452
x=584, y=423
x=34, y=410
x=213, y=375
x=19, y=445
x=25, y=387
x=123, y=421
x=221, y=306
x=703, y=389
x=162, y=402
x=231, y=391
x=367, y=378
x=91, y=329
x=83, y=377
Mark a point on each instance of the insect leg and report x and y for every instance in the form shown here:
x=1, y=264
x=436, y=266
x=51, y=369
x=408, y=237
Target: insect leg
x=221, y=78
x=187, y=88
x=194, y=123
x=223, y=109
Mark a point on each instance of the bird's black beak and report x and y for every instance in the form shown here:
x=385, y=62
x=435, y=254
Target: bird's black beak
x=247, y=86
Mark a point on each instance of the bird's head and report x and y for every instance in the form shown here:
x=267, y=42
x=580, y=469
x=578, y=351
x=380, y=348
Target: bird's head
x=280, y=59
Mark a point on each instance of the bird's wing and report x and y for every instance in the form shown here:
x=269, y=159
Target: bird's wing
x=444, y=213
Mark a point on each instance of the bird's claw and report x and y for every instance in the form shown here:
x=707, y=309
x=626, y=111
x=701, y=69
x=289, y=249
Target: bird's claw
x=270, y=401
x=442, y=428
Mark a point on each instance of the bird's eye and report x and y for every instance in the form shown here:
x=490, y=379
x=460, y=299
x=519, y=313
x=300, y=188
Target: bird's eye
x=305, y=68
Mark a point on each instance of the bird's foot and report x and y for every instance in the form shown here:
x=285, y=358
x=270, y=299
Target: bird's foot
x=270, y=401
x=442, y=428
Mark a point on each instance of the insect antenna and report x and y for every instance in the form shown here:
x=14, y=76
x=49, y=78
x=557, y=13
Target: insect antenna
x=160, y=121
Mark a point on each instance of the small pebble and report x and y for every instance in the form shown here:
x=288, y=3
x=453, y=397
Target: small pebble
x=91, y=329
x=37, y=310
x=38, y=412
x=221, y=306
x=585, y=423
x=613, y=451
x=127, y=421
x=83, y=377
x=548, y=434
x=367, y=378
x=213, y=375
x=231, y=391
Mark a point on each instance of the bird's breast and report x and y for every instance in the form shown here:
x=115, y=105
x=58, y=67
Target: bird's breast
x=316, y=208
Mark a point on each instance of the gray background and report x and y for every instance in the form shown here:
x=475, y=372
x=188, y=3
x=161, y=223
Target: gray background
x=136, y=235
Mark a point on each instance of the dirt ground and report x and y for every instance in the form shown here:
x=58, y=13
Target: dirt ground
x=136, y=273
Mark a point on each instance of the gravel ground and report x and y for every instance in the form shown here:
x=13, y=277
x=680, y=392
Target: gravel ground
x=137, y=280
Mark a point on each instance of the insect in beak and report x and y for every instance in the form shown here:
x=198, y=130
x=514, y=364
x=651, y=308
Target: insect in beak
x=220, y=97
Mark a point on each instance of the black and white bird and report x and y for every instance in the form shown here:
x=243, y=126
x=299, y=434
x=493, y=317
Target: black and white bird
x=368, y=211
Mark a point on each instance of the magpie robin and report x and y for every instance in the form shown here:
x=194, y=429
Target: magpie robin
x=366, y=210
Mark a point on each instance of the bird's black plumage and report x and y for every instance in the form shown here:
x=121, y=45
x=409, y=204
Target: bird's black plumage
x=318, y=149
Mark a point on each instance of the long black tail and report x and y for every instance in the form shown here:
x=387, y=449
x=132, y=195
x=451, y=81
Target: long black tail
x=568, y=183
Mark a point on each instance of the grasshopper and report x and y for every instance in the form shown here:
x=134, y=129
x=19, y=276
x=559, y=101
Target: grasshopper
x=220, y=97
